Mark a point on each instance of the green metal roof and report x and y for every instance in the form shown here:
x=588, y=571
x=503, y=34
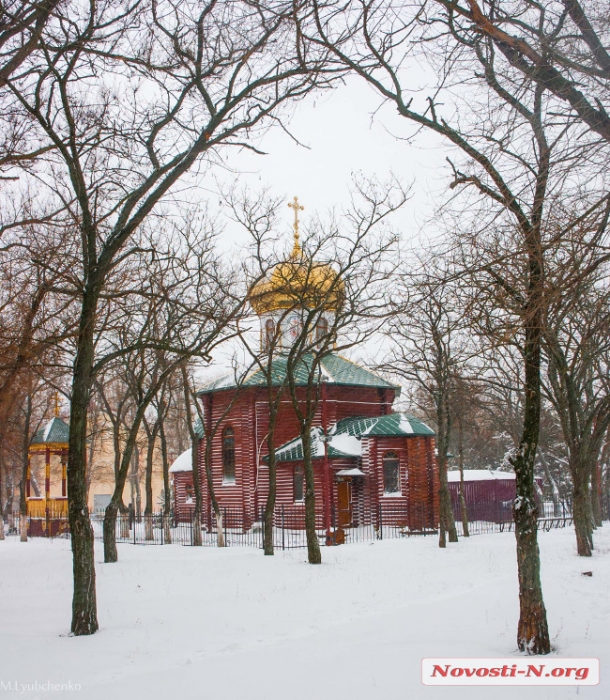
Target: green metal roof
x=334, y=369
x=399, y=424
x=293, y=451
x=339, y=442
x=54, y=431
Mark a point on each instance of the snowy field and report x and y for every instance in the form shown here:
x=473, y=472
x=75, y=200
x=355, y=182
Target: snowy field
x=210, y=624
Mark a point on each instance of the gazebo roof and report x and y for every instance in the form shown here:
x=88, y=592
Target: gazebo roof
x=56, y=431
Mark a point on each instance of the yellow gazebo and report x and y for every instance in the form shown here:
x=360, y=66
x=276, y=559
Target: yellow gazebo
x=48, y=510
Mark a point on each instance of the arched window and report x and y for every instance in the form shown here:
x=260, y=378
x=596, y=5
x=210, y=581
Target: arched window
x=321, y=328
x=298, y=484
x=228, y=455
x=391, y=478
x=269, y=333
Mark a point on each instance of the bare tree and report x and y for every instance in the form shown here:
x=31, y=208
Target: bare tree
x=560, y=45
x=576, y=340
x=515, y=162
x=336, y=285
x=429, y=351
x=21, y=25
x=259, y=217
x=187, y=80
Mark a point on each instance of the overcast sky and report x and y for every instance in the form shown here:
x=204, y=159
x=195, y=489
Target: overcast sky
x=346, y=132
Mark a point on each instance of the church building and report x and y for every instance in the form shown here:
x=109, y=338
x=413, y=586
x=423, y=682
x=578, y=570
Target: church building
x=370, y=463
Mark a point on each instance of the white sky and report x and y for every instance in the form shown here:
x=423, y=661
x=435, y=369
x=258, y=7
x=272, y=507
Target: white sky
x=345, y=134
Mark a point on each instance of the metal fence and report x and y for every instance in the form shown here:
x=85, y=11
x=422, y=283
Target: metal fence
x=388, y=521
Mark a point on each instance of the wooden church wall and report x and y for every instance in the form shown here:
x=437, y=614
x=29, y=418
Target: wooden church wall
x=417, y=507
x=182, y=509
x=248, y=416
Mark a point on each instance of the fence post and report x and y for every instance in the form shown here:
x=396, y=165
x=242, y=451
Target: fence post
x=224, y=527
x=162, y=527
x=380, y=522
x=134, y=532
x=283, y=540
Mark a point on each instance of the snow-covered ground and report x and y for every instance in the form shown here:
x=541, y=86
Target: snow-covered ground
x=231, y=624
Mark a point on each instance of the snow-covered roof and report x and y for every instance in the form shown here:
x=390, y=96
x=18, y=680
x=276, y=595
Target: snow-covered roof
x=184, y=463
x=338, y=446
x=344, y=437
x=350, y=472
x=480, y=475
x=334, y=369
x=390, y=425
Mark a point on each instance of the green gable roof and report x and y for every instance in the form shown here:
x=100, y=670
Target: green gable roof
x=334, y=369
x=54, y=431
x=392, y=424
x=345, y=436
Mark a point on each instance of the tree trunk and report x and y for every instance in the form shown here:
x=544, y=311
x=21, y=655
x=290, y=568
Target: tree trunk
x=220, y=529
x=596, y=496
x=197, y=539
x=581, y=510
x=314, y=555
x=25, y=472
x=111, y=554
x=84, y=605
x=445, y=512
x=447, y=521
x=533, y=632
x=110, y=550
x=462, y=494
x=23, y=505
x=207, y=465
x=271, y=494
x=148, y=508
x=167, y=529
x=196, y=522
x=135, y=476
x=167, y=504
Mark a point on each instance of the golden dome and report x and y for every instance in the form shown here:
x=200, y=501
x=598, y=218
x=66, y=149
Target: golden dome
x=298, y=282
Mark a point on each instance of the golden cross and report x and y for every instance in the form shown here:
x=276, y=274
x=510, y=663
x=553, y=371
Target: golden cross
x=296, y=206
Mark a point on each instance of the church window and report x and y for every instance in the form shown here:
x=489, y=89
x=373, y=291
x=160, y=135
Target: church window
x=298, y=483
x=269, y=333
x=228, y=455
x=391, y=479
x=321, y=328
